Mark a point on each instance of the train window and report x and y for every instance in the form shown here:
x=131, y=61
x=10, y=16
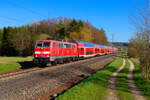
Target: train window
x=65, y=45
x=61, y=45
x=96, y=49
x=39, y=44
x=81, y=49
x=89, y=52
x=73, y=46
x=69, y=45
x=46, y=44
x=54, y=45
x=102, y=51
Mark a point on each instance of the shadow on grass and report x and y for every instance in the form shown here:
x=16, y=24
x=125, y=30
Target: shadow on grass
x=27, y=64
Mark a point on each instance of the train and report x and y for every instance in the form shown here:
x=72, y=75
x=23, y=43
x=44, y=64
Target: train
x=59, y=51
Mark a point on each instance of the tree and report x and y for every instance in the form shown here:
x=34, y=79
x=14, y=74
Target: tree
x=60, y=30
x=1, y=37
x=7, y=42
x=103, y=37
x=85, y=34
x=142, y=39
x=132, y=49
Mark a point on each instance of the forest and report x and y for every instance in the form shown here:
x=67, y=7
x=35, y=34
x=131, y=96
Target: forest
x=19, y=41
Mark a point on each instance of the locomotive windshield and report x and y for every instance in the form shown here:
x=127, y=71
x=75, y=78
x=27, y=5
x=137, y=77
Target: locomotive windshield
x=46, y=44
x=43, y=44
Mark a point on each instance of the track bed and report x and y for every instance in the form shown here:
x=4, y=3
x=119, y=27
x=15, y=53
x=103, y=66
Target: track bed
x=46, y=82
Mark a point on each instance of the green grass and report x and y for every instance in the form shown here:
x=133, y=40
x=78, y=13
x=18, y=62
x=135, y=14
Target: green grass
x=92, y=88
x=141, y=82
x=8, y=64
x=14, y=59
x=8, y=67
x=123, y=91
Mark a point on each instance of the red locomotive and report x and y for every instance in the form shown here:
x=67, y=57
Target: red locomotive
x=53, y=52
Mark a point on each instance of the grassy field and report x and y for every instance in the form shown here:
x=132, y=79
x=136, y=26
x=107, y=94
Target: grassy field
x=14, y=59
x=141, y=83
x=92, y=88
x=8, y=64
x=123, y=91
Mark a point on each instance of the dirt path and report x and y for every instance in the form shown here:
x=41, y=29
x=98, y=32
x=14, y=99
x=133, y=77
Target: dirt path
x=111, y=84
x=132, y=86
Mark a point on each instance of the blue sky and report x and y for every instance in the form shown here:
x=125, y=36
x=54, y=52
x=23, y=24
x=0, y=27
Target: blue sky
x=111, y=15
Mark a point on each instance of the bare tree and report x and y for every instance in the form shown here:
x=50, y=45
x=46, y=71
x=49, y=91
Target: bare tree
x=141, y=40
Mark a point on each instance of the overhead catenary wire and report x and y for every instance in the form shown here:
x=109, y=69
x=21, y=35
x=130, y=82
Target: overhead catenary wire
x=10, y=18
x=21, y=7
x=27, y=9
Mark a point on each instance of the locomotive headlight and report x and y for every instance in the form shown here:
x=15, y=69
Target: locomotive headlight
x=37, y=52
x=46, y=52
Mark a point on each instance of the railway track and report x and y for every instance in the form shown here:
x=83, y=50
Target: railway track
x=25, y=71
x=4, y=75
x=32, y=84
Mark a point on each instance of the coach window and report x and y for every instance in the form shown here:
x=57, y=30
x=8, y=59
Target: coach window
x=69, y=45
x=58, y=45
x=81, y=49
x=96, y=49
x=54, y=45
x=61, y=45
x=73, y=46
x=65, y=45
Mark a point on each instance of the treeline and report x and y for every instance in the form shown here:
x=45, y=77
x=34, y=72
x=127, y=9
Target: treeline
x=139, y=46
x=19, y=41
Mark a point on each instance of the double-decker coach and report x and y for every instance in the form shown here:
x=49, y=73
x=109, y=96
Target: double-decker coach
x=102, y=49
x=109, y=49
x=85, y=49
x=105, y=50
x=97, y=50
